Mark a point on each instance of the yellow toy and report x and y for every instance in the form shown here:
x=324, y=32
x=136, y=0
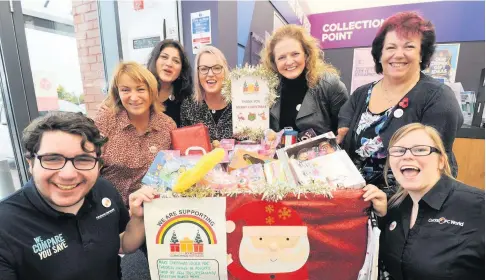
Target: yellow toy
x=197, y=173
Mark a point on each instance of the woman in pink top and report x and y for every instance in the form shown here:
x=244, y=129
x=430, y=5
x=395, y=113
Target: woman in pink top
x=135, y=125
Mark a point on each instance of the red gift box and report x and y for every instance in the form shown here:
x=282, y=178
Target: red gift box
x=189, y=137
x=336, y=230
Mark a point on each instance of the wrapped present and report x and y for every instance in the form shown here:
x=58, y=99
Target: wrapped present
x=191, y=136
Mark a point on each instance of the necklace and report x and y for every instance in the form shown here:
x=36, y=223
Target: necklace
x=213, y=111
x=386, y=95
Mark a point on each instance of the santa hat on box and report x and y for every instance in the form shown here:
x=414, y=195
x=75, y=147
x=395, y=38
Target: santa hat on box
x=266, y=218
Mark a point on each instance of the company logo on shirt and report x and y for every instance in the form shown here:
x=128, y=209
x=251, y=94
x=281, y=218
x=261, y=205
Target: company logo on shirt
x=105, y=214
x=48, y=247
x=443, y=220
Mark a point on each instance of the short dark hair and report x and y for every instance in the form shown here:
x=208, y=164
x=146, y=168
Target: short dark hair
x=405, y=24
x=73, y=123
x=183, y=84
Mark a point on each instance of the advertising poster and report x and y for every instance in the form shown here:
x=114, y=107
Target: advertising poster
x=443, y=65
x=363, y=69
x=200, y=30
x=186, y=238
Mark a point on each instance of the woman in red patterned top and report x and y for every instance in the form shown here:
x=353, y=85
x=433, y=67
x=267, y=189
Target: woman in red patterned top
x=135, y=125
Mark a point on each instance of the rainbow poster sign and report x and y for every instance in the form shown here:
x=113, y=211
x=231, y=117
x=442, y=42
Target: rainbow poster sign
x=186, y=238
x=202, y=224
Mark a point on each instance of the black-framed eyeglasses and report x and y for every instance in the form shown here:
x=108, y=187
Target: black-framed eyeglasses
x=419, y=150
x=57, y=162
x=217, y=69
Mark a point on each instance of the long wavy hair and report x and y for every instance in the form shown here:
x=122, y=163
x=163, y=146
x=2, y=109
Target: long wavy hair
x=183, y=85
x=315, y=66
x=401, y=194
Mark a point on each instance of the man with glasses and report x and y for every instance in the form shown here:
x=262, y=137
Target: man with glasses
x=67, y=222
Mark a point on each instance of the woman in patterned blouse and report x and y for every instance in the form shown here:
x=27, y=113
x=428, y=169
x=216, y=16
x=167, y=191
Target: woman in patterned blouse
x=208, y=105
x=402, y=48
x=135, y=125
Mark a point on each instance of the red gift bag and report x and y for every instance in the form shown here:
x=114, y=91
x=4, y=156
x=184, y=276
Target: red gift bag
x=313, y=237
x=191, y=136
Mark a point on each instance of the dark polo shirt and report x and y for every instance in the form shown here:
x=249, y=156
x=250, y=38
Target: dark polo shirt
x=447, y=239
x=38, y=242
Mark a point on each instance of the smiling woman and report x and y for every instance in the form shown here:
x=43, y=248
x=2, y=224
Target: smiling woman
x=208, y=106
x=169, y=64
x=135, y=126
x=434, y=228
x=310, y=92
x=401, y=49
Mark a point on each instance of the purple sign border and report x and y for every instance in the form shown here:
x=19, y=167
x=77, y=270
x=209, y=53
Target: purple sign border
x=455, y=21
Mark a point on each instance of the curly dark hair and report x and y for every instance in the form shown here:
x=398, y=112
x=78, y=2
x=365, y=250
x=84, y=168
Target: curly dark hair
x=183, y=84
x=406, y=24
x=72, y=123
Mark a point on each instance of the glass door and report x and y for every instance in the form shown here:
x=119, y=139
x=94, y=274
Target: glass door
x=9, y=172
x=52, y=44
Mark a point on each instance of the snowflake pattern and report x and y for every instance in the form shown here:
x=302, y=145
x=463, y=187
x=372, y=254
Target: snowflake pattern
x=270, y=220
x=269, y=209
x=284, y=213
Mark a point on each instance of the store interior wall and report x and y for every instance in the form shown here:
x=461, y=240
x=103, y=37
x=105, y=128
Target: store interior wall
x=232, y=23
x=317, y=7
x=470, y=63
x=188, y=7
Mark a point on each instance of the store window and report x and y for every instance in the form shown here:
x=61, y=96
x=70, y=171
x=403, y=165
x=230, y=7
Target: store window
x=9, y=178
x=53, y=55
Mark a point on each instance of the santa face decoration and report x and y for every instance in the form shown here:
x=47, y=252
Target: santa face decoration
x=274, y=249
x=272, y=240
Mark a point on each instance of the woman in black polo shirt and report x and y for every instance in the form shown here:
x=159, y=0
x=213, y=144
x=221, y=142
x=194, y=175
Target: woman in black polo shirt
x=434, y=228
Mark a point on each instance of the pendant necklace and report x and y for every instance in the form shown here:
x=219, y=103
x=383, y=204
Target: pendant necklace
x=171, y=95
x=386, y=96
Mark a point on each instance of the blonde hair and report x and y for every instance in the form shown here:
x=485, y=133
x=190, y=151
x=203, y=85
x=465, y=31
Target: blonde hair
x=401, y=194
x=314, y=63
x=199, y=94
x=139, y=74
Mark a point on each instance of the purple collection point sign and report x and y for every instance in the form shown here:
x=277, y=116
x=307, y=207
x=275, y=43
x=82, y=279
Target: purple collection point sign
x=454, y=21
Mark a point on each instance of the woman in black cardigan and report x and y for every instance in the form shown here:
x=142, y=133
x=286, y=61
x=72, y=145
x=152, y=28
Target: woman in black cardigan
x=310, y=92
x=402, y=48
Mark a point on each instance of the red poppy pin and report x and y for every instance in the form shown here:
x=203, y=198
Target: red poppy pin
x=404, y=103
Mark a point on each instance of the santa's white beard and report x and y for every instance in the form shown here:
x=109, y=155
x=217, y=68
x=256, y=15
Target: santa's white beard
x=280, y=261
